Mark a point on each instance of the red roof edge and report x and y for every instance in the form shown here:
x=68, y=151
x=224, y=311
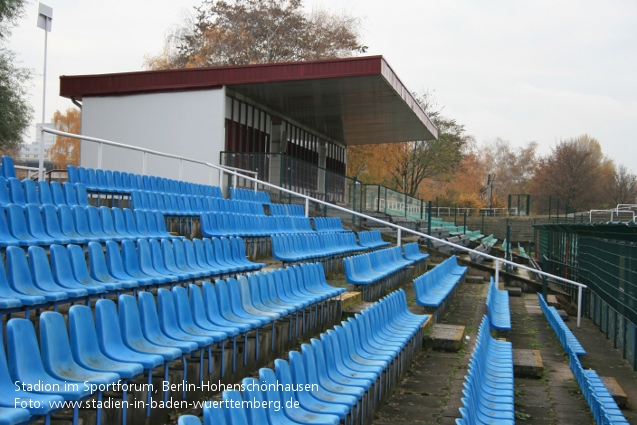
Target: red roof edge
x=77, y=86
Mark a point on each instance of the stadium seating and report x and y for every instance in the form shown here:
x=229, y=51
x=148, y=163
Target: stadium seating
x=328, y=224
x=600, y=401
x=375, y=272
x=564, y=334
x=349, y=369
x=435, y=288
x=488, y=394
x=371, y=239
x=498, y=307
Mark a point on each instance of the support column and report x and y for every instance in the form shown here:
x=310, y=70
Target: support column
x=322, y=162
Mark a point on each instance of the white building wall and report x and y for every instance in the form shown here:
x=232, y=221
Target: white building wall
x=189, y=124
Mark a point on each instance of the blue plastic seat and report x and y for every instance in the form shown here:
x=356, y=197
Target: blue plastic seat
x=140, y=259
x=31, y=192
x=72, y=173
x=99, y=270
x=8, y=167
x=16, y=191
x=36, y=404
x=19, y=228
x=43, y=277
x=35, y=225
x=82, y=275
x=21, y=281
x=52, y=225
x=26, y=365
x=116, y=266
x=61, y=269
x=82, y=225
x=6, y=238
x=95, y=225
x=111, y=343
x=68, y=228
x=57, y=193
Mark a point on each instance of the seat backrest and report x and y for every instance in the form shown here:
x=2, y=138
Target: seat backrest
x=16, y=191
x=8, y=168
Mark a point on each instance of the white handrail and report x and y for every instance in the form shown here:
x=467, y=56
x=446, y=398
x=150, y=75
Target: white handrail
x=327, y=204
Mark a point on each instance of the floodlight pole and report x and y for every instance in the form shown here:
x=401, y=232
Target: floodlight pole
x=45, y=16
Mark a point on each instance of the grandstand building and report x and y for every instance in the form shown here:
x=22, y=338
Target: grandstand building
x=239, y=115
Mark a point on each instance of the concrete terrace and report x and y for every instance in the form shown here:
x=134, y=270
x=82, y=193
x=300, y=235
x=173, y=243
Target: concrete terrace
x=431, y=392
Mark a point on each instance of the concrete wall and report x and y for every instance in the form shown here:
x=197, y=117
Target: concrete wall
x=190, y=124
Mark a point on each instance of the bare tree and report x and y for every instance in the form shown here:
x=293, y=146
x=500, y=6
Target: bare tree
x=244, y=32
x=624, y=187
x=573, y=173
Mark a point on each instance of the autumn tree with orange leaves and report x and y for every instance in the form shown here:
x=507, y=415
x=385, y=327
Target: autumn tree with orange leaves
x=411, y=163
x=66, y=150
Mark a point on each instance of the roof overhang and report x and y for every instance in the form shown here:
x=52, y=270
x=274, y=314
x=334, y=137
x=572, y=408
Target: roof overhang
x=354, y=101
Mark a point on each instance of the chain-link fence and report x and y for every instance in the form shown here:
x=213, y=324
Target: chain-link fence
x=603, y=257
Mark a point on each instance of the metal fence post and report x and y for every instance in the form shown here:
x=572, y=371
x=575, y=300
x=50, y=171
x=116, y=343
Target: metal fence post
x=497, y=274
x=464, y=230
x=429, y=225
x=579, y=306
x=307, y=207
x=398, y=237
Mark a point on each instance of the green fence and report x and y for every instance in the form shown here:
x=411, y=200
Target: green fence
x=603, y=257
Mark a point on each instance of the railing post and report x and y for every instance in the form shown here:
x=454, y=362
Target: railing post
x=579, y=306
x=144, y=163
x=429, y=225
x=497, y=274
x=398, y=237
x=99, y=155
x=234, y=180
x=307, y=207
x=181, y=169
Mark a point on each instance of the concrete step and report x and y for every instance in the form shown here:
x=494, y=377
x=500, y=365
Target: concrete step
x=514, y=292
x=527, y=364
x=474, y=279
x=615, y=391
x=355, y=308
x=350, y=299
x=445, y=337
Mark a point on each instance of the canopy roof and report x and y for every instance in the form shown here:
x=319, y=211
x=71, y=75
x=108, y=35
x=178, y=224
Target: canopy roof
x=353, y=101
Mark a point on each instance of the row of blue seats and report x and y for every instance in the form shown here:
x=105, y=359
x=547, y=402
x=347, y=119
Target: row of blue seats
x=140, y=335
x=14, y=191
x=31, y=225
x=190, y=205
x=371, y=239
x=301, y=247
x=498, y=308
x=377, y=272
x=601, y=402
x=248, y=225
x=564, y=334
x=488, y=393
x=35, y=282
x=372, y=267
x=328, y=224
x=116, y=182
x=345, y=369
x=602, y=405
x=287, y=209
x=412, y=252
x=435, y=288
x=241, y=194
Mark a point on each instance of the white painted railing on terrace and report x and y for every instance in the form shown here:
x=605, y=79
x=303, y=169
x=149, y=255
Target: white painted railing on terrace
x=400, y=229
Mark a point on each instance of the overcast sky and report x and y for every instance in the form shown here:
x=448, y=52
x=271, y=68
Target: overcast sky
x=520, y=70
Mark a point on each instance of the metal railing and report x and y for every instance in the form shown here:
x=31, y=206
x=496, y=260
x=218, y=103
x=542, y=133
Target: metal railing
x=308, y=199
x=35, y=170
